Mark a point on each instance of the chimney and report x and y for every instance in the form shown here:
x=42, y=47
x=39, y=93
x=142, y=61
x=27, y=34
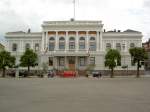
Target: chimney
x=104, y=30
x=29, y=30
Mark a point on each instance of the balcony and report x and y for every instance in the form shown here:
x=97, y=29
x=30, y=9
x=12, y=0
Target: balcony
x=70, y=53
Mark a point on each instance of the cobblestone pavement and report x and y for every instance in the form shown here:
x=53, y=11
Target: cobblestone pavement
x=75, y=95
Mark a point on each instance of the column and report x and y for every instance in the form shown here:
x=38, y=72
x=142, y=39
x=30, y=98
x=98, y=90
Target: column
x=67, y=42
x=46, y=41
x=22, y=46
x=32, y=46
x=76, y=63
x=42, y=43
x=87, y=41
x=56, y=41
x=56, y=62
x=77, y=41
x=66, y=64
x=113, y=46
x=101, y=40
x=98, y=41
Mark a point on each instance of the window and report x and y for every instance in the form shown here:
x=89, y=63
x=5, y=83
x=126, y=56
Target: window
x=61, y=43
x=61, y=61
x=123, y=47
x=92, y=60
x=27, y=46
x=118, y=46
x=132, y=45
x=92, y=44
x=72, y=43
x=36, y=47
x=82, y=61
x=108, y=46
x=50, y=61
x=82, y=43
x=14, y=47
x=51, y=44
x=119, y=62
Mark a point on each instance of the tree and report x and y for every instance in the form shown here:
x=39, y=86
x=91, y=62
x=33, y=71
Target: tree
x=6, y=60
x=112, y=59
x=138, y=55
x=28, y=59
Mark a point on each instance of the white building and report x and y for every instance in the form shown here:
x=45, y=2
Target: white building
x=74, y=44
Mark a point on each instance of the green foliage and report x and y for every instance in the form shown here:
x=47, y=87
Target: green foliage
x=29, y=58
x=112, y=59
x=6, y=60
x=138, y=55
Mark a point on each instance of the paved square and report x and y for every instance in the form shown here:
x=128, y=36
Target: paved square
x=75, y=95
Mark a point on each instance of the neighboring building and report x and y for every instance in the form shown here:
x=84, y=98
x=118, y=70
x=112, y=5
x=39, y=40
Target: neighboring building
x=146, y=46
x=2, y=47
x=74, y=44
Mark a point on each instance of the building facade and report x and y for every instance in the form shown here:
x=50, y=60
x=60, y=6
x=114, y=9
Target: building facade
x=74, y=44
x=146, y=46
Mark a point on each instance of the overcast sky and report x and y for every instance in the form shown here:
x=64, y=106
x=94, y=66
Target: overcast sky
x=16, y=15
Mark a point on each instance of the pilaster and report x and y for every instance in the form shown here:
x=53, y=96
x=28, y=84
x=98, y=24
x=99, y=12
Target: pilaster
x=98, y=41
x=87, y=40
x=77, y=41
x=101, y=41
x=56, y=41
x=67, y=42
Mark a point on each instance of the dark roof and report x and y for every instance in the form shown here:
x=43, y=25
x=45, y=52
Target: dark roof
x=131, y=31
x=16, y=32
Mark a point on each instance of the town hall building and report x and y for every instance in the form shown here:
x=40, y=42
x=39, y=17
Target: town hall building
x=74, y=44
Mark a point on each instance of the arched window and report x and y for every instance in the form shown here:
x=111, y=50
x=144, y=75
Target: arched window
x=27, y=46
x=92, y=44
x=82, y=43
x=36, y=47
x=14, y=47
x=108, y=46
x=118, y=46
x=61, y=43
x=132, y=45
x=51, y=44
x=123, y=47
x=71, y=43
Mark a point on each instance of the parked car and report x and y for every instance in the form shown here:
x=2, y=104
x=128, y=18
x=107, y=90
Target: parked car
x=11, y=73
x=96, y=74
x=23, y=73
x=51, y=74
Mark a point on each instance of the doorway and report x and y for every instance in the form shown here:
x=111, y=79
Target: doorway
x=71, y=63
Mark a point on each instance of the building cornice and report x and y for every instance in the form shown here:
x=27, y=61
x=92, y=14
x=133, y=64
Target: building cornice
x=15, y=34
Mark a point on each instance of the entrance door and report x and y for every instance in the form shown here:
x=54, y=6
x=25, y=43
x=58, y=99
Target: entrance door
x=71, y=62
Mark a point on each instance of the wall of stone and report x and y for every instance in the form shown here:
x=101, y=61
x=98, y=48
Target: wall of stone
x=121, y=72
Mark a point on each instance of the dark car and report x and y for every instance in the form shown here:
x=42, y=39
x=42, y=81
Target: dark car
x=11, y=73
x=23, y=73
x=96, y=74
x=51, y=74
